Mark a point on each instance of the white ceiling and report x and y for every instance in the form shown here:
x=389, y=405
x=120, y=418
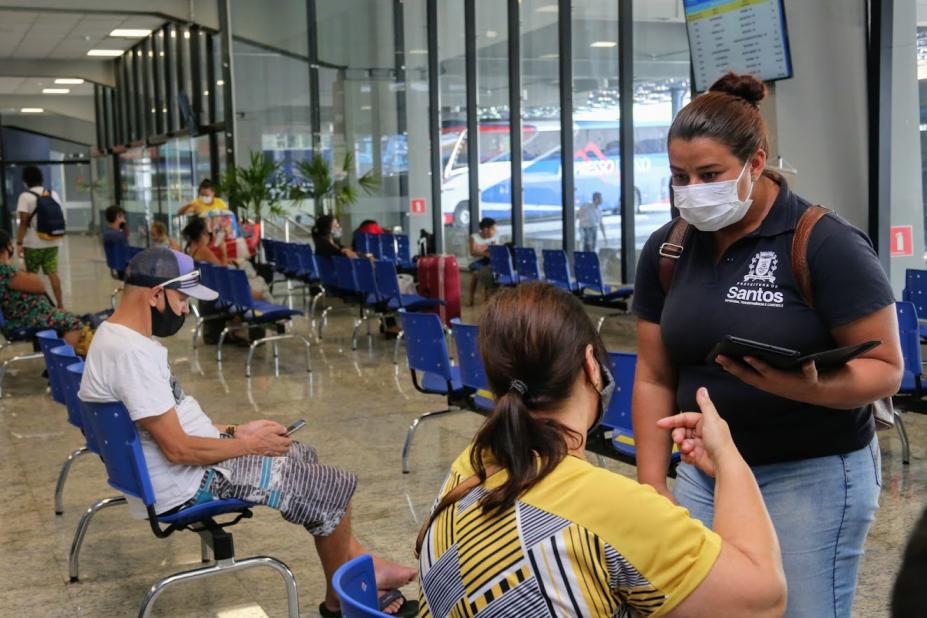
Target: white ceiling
x=67, y=36
x=34, y=85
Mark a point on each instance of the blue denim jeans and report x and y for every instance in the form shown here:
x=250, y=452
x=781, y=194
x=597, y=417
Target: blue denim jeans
x=821, y=509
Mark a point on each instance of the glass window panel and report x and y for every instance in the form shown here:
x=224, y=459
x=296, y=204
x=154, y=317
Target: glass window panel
x=218, y=86
x=661, y=89
x=541, y=176
x=161, y=83
x=413, y=155
x=492, y=56
x=455, y=197
x=596, y=137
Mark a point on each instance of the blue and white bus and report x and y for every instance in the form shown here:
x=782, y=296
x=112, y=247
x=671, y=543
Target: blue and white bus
x=596, y=167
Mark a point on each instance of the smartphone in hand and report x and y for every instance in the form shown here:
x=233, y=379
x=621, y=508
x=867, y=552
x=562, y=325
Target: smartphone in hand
x=295, y=427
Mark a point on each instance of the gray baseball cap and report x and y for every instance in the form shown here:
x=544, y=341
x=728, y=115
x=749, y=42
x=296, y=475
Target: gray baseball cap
x=159, y=266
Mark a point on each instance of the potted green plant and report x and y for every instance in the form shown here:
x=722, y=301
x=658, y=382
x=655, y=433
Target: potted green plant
x=326, y=189
x=255, y=190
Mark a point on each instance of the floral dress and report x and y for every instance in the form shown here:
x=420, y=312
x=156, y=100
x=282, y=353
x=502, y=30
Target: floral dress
x=25, y=310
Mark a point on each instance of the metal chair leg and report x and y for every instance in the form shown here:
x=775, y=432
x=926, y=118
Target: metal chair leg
x=903, y=435
x=226, y=566
x=407, y=446
x=16, y=359
x=598, y=326
x=399, y=338
x=223, y=335
x=205, y=553
x=63, y=476
x=74, y=556
x=323, y=321
x=274, y=339
x=357, y=325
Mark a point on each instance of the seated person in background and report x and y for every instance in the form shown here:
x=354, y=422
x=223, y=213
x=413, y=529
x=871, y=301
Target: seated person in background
x=115, y=232
x=326, y=236
x=367, y=226
x=159, y=237
x=527, y=527
x=199, y=239
x=205, y=201
x=25, y=303
x=191, y=459
x=480, y=270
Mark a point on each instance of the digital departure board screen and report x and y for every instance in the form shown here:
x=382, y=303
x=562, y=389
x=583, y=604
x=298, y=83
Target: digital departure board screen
x=744, y=36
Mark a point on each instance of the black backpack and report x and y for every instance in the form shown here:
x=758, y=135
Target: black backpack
x=49, y=217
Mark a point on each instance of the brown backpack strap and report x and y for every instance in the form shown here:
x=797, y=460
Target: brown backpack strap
x=800, y=269
x=451, y=497
x=671, y=251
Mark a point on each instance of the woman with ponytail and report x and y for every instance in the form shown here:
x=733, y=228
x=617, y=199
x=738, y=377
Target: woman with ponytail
x=525, y=526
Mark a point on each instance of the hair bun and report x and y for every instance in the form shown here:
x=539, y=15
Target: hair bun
x=743, y=86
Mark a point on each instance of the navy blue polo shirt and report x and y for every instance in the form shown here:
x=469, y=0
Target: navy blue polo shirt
x=752, y=293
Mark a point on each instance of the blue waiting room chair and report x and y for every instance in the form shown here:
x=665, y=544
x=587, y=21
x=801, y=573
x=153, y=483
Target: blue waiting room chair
x=594, y=291
x=256, y=313
x=72, y=377
x=355, y=584
x=915, y=292
x=616, y=424
x=404, y=253
x=127, y=472
x=426, y=349
x=472, y=372
x=500, y=262
x=59, y=358
x=557, y=270
x=910, y=395
x=526, y=264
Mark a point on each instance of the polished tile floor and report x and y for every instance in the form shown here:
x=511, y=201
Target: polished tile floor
x=358, y=406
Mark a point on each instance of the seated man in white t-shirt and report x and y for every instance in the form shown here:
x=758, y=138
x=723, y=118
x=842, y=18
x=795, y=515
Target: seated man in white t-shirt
x=479, y=248
x=190, y=459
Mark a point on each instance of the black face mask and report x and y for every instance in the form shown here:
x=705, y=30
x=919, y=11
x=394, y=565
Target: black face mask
x=166, y=323
x=122, y=225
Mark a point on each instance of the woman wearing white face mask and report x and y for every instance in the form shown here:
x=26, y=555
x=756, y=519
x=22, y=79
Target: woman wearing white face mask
x=206, y=200
x=726, y=268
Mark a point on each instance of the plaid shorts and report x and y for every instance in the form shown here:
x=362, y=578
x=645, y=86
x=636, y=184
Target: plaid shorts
x=305, y=492
x=45, y=259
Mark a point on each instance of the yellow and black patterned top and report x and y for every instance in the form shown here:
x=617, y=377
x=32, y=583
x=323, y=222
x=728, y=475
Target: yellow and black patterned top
x=583, y=542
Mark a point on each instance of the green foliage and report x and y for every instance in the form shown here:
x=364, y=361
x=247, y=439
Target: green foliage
x=320, y=184
x=257, y=189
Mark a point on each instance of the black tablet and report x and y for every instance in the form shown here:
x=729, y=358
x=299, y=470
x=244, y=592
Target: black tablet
x=785, y=358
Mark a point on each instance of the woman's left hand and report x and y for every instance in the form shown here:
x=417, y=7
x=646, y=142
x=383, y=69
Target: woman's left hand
x=797, y=385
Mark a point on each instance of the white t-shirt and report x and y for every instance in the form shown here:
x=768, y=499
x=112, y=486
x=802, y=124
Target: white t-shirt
x=26, y=203
x=479, y=240
x=589, y=215
x=124, y=365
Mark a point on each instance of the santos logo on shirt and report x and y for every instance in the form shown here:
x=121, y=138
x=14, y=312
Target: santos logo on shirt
x=758, y=287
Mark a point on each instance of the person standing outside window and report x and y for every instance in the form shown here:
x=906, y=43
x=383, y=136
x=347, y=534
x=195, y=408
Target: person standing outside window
x=808, y=434
x=590, y=222
x=38, y=254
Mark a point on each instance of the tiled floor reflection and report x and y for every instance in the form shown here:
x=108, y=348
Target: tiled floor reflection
x=358, y=406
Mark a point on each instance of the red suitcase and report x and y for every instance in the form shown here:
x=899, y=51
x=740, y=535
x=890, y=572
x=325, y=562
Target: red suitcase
x=439, y=277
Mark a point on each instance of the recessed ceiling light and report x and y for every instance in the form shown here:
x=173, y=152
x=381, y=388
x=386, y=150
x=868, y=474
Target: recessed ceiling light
x=55, y=90
x=417, y=52
x=220, y=82
x=491, y=34
x=130, y=33
x=548, y=8
x=604, y=44
x=31, y=110
x=69, y=80
x=186, y=34
x=549, y=56
x=109, y=53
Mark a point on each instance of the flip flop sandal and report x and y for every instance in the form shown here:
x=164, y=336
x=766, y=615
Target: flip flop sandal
x=408, y=609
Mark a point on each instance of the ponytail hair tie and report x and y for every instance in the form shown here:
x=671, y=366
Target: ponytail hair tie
x=519, y=386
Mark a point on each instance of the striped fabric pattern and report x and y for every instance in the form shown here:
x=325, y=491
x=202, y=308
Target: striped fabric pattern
x=303, y=490
x=524, y=562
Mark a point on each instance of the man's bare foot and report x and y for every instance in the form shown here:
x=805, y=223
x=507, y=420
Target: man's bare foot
x=391, y=575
